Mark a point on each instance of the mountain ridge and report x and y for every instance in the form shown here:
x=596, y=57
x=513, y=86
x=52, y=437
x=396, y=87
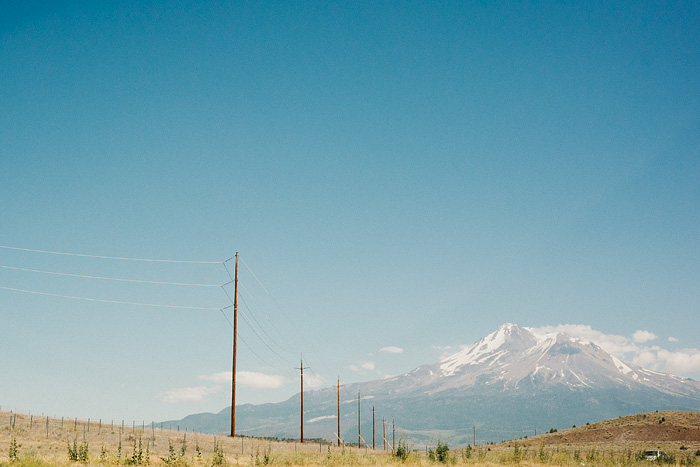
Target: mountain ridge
x=505, y=384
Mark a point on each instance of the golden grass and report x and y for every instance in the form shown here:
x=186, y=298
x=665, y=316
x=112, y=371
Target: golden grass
x=39, y=447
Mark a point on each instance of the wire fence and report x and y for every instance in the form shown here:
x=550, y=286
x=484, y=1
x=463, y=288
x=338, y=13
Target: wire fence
x=53, y=437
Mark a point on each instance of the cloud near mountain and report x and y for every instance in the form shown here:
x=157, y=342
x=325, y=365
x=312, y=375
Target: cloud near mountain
x=634, y=349
x=194, y=394
x=391, y=349
x=502, y=385
x=251, y=379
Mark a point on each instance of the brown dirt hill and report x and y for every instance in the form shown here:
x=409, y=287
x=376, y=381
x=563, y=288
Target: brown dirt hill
x=669, y=426
x=675, y=432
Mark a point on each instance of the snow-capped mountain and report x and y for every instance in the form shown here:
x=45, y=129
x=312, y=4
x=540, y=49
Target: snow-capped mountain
x=517, y=357
x=507, y=384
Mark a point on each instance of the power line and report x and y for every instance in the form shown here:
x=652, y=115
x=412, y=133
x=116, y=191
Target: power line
x=250, y=325
x=260, y=326
x=108, y=301
x=108, y=257
x=82, y=276
x=224, y=315
x=252, y=315
x=243, y=340
x=283, y=313
x=245, y=318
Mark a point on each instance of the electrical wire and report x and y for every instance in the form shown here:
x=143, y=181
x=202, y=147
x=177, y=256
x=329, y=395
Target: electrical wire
x=243, y=340
x=250, y=325
x=282, y=312
x=82, y=276
x=245, y=318
x=252, y=315
x=108, y=301
x=224, y=315
x=108, y=257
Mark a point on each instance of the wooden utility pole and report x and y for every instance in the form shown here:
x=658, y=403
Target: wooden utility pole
x=384, y=432
x=235, y=341
x=302, y=400
x=359, y=435
x=372, y=427
x=474, y=434
x=393, y=435
x=338, y=411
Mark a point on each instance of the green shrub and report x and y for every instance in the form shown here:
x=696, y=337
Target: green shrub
x=14, y=453
x=440, y=453
x=467, y=453
x=137, y=456
x=402, y=451
x=219, y=459
x=173, y=458
x=78, y=453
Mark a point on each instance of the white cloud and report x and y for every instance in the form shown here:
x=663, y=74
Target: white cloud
x=250, y=379
x=672, y=339
x=256, y=380
x=391, y=349
x=677, y=362
x=644, y=336
x=220, y=378
x=195, y=394
x=633, y=349
x=443, y=347
x=363, y=366
x=314, y=381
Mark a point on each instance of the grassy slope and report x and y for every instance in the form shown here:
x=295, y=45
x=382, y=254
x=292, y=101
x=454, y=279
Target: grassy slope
x=612, y=442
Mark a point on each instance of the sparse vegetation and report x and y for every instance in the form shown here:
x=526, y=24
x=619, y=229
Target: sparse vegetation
x=440, y=453
x=595, y=445
x=137, y=458
x=219, y=459
x=13, y=453
x=78, y=453
x=402, y=451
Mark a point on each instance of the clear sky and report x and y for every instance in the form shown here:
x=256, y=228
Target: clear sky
x=400, y=179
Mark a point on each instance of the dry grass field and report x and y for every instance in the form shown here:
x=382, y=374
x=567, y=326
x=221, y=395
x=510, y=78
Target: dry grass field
x=37, y=441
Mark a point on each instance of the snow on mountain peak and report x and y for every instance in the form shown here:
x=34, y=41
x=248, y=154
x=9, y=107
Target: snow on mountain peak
x=515, y=355
x=489, y=349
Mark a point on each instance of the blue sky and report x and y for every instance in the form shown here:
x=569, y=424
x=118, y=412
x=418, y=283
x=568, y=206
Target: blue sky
x=400, y=179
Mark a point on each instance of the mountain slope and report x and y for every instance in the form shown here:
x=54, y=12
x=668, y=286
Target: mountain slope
x=505, y=385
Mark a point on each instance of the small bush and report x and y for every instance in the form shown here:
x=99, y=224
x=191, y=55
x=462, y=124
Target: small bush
x=137, y=456
x=14, y=453
x=78, y=453
x=440, y=453
x=173, y=458
x=219, y=459
x=402, y=451
x=467, y=453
